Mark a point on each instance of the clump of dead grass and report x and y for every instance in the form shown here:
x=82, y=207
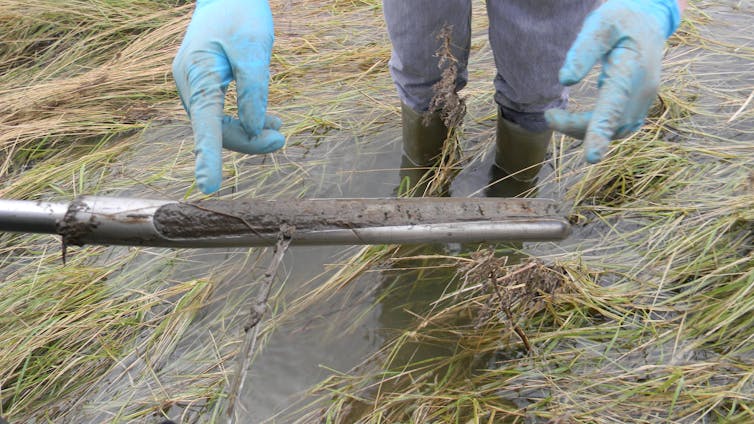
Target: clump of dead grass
x=64, y=328
x=83, y=70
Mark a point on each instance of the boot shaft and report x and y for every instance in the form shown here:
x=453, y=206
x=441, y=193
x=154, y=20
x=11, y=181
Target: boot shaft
x=520, y=152
x=424, y=136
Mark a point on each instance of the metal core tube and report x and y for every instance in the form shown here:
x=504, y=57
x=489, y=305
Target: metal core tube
x=28, y=216
x=146, y=222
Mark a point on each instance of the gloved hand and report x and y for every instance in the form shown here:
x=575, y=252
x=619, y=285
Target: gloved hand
x=227, y=40
x=629, y=37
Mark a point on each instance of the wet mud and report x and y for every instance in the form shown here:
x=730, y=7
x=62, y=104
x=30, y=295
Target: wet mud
x=220, y=218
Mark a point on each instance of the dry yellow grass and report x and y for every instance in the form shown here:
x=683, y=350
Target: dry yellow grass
x=652, y=321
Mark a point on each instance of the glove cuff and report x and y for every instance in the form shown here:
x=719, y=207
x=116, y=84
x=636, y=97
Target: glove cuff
x=670, y=13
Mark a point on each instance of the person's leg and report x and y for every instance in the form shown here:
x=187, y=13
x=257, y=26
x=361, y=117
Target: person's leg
x=530, y=40
x=413, y=27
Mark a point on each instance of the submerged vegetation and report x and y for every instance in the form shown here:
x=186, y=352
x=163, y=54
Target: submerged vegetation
x=644, y=315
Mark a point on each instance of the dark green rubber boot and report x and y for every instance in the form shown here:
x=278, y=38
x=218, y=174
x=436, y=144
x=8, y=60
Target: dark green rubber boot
x=519, y=155
x=422, y=148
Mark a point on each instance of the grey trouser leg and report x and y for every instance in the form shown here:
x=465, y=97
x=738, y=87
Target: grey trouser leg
x=529, y=38
x=413, y=26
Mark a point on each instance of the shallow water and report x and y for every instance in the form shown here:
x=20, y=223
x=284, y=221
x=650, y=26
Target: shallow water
x=343, y=331
x=323, y=339
x=299, y=356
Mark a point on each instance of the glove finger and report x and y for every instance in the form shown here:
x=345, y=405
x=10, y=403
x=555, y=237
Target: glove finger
x=596, y=38
x=251, y=69
x=206, y=112
x=614, y=96
x=627, y=129
x=180, y=77
x=272, y=122
x=572, y=124
x=237, y=139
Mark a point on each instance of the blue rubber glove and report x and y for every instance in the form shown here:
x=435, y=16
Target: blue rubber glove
x=629, y=37
x=227, y=40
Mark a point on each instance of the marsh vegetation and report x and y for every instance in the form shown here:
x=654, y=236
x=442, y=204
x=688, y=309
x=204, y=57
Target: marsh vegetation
x=644, y=315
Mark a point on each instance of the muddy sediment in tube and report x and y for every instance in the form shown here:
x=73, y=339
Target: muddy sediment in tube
x=218, y=218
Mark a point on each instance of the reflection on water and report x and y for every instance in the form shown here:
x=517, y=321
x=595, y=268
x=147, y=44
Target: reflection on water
x=423, y=335
x=337, y=335
x=303, y=351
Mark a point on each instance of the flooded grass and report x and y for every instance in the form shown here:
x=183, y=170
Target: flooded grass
x=643, y=315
